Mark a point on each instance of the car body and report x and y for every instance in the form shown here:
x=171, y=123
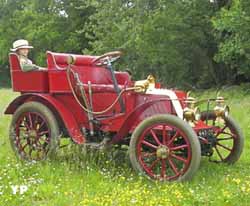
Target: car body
x=83, y=98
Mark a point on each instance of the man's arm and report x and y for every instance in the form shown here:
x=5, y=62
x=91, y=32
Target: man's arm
x=28, y=67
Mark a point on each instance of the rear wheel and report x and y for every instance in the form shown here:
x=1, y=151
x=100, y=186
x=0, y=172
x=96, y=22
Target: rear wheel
x=229, y=139
x=34, y=132
x=165, y=148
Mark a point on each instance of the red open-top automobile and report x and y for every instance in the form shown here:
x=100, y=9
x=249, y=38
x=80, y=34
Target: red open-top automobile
x=83, y=98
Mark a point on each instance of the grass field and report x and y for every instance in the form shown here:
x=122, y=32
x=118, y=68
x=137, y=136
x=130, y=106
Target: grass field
x=74, y=178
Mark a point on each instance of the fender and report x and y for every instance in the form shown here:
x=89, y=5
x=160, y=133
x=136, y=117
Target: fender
x=132, y=117
x=66, y=116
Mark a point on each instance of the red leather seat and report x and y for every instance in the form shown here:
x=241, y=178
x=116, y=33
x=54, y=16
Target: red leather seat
x=33, y=81
x=59, y=60
x=99, y=77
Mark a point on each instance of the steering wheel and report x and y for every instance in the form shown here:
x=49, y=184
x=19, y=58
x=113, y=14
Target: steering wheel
x=107, y=58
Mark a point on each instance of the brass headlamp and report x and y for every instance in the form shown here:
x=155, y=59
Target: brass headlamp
x=191, y=114
x=143, y=85
x=221, y=110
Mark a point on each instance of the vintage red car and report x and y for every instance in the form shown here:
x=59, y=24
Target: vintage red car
x=83, y=98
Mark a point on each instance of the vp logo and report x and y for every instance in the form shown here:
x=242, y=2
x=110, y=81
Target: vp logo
x=19, y=189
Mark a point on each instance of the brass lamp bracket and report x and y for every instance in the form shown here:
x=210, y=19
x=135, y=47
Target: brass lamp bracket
x=144, y=85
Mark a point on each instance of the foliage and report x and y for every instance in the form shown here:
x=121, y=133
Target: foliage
x=171, y=39
x=177, y=41
x=48, y=25
x=232, y=32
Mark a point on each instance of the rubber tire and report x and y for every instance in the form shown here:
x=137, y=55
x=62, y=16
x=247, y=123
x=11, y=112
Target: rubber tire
x=239, y=143
x=184, y=127
x=50, y=119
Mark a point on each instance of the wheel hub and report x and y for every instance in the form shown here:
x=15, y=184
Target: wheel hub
x=32, y=133
x=162, y=152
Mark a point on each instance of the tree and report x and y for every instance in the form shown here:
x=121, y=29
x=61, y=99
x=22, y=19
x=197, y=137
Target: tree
x=48, y=25
x=171, y=39
x=232, y=33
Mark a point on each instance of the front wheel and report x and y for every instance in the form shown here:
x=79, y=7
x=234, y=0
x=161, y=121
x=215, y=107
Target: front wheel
x=34, y=132
x=165, y=148
x=229, y=141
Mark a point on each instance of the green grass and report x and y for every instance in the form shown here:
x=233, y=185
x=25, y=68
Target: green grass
x=75, y=178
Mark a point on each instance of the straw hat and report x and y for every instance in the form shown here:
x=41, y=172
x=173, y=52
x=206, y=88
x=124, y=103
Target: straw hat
x=21, y=44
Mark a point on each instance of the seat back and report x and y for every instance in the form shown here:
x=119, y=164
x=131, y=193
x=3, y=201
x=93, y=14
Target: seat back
x=33, y=81
x=122, y=78
x=57, y=64
x=60, y=60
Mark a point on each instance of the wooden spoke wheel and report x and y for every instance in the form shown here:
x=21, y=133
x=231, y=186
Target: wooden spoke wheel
x=34, y=133
x=229, y=139
x=165, y=148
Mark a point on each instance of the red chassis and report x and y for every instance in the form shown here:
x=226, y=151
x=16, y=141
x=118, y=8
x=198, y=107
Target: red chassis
x=83, y=97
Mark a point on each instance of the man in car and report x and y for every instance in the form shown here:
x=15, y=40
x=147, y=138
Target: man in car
x=21, y=47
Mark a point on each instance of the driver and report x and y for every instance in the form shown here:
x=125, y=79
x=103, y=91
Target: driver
x=21, y=48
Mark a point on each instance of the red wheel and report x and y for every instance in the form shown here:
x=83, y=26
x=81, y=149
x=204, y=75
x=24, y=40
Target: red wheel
x=164, y=147
x=229, y=142
x=107, y=58
x=33, y=132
